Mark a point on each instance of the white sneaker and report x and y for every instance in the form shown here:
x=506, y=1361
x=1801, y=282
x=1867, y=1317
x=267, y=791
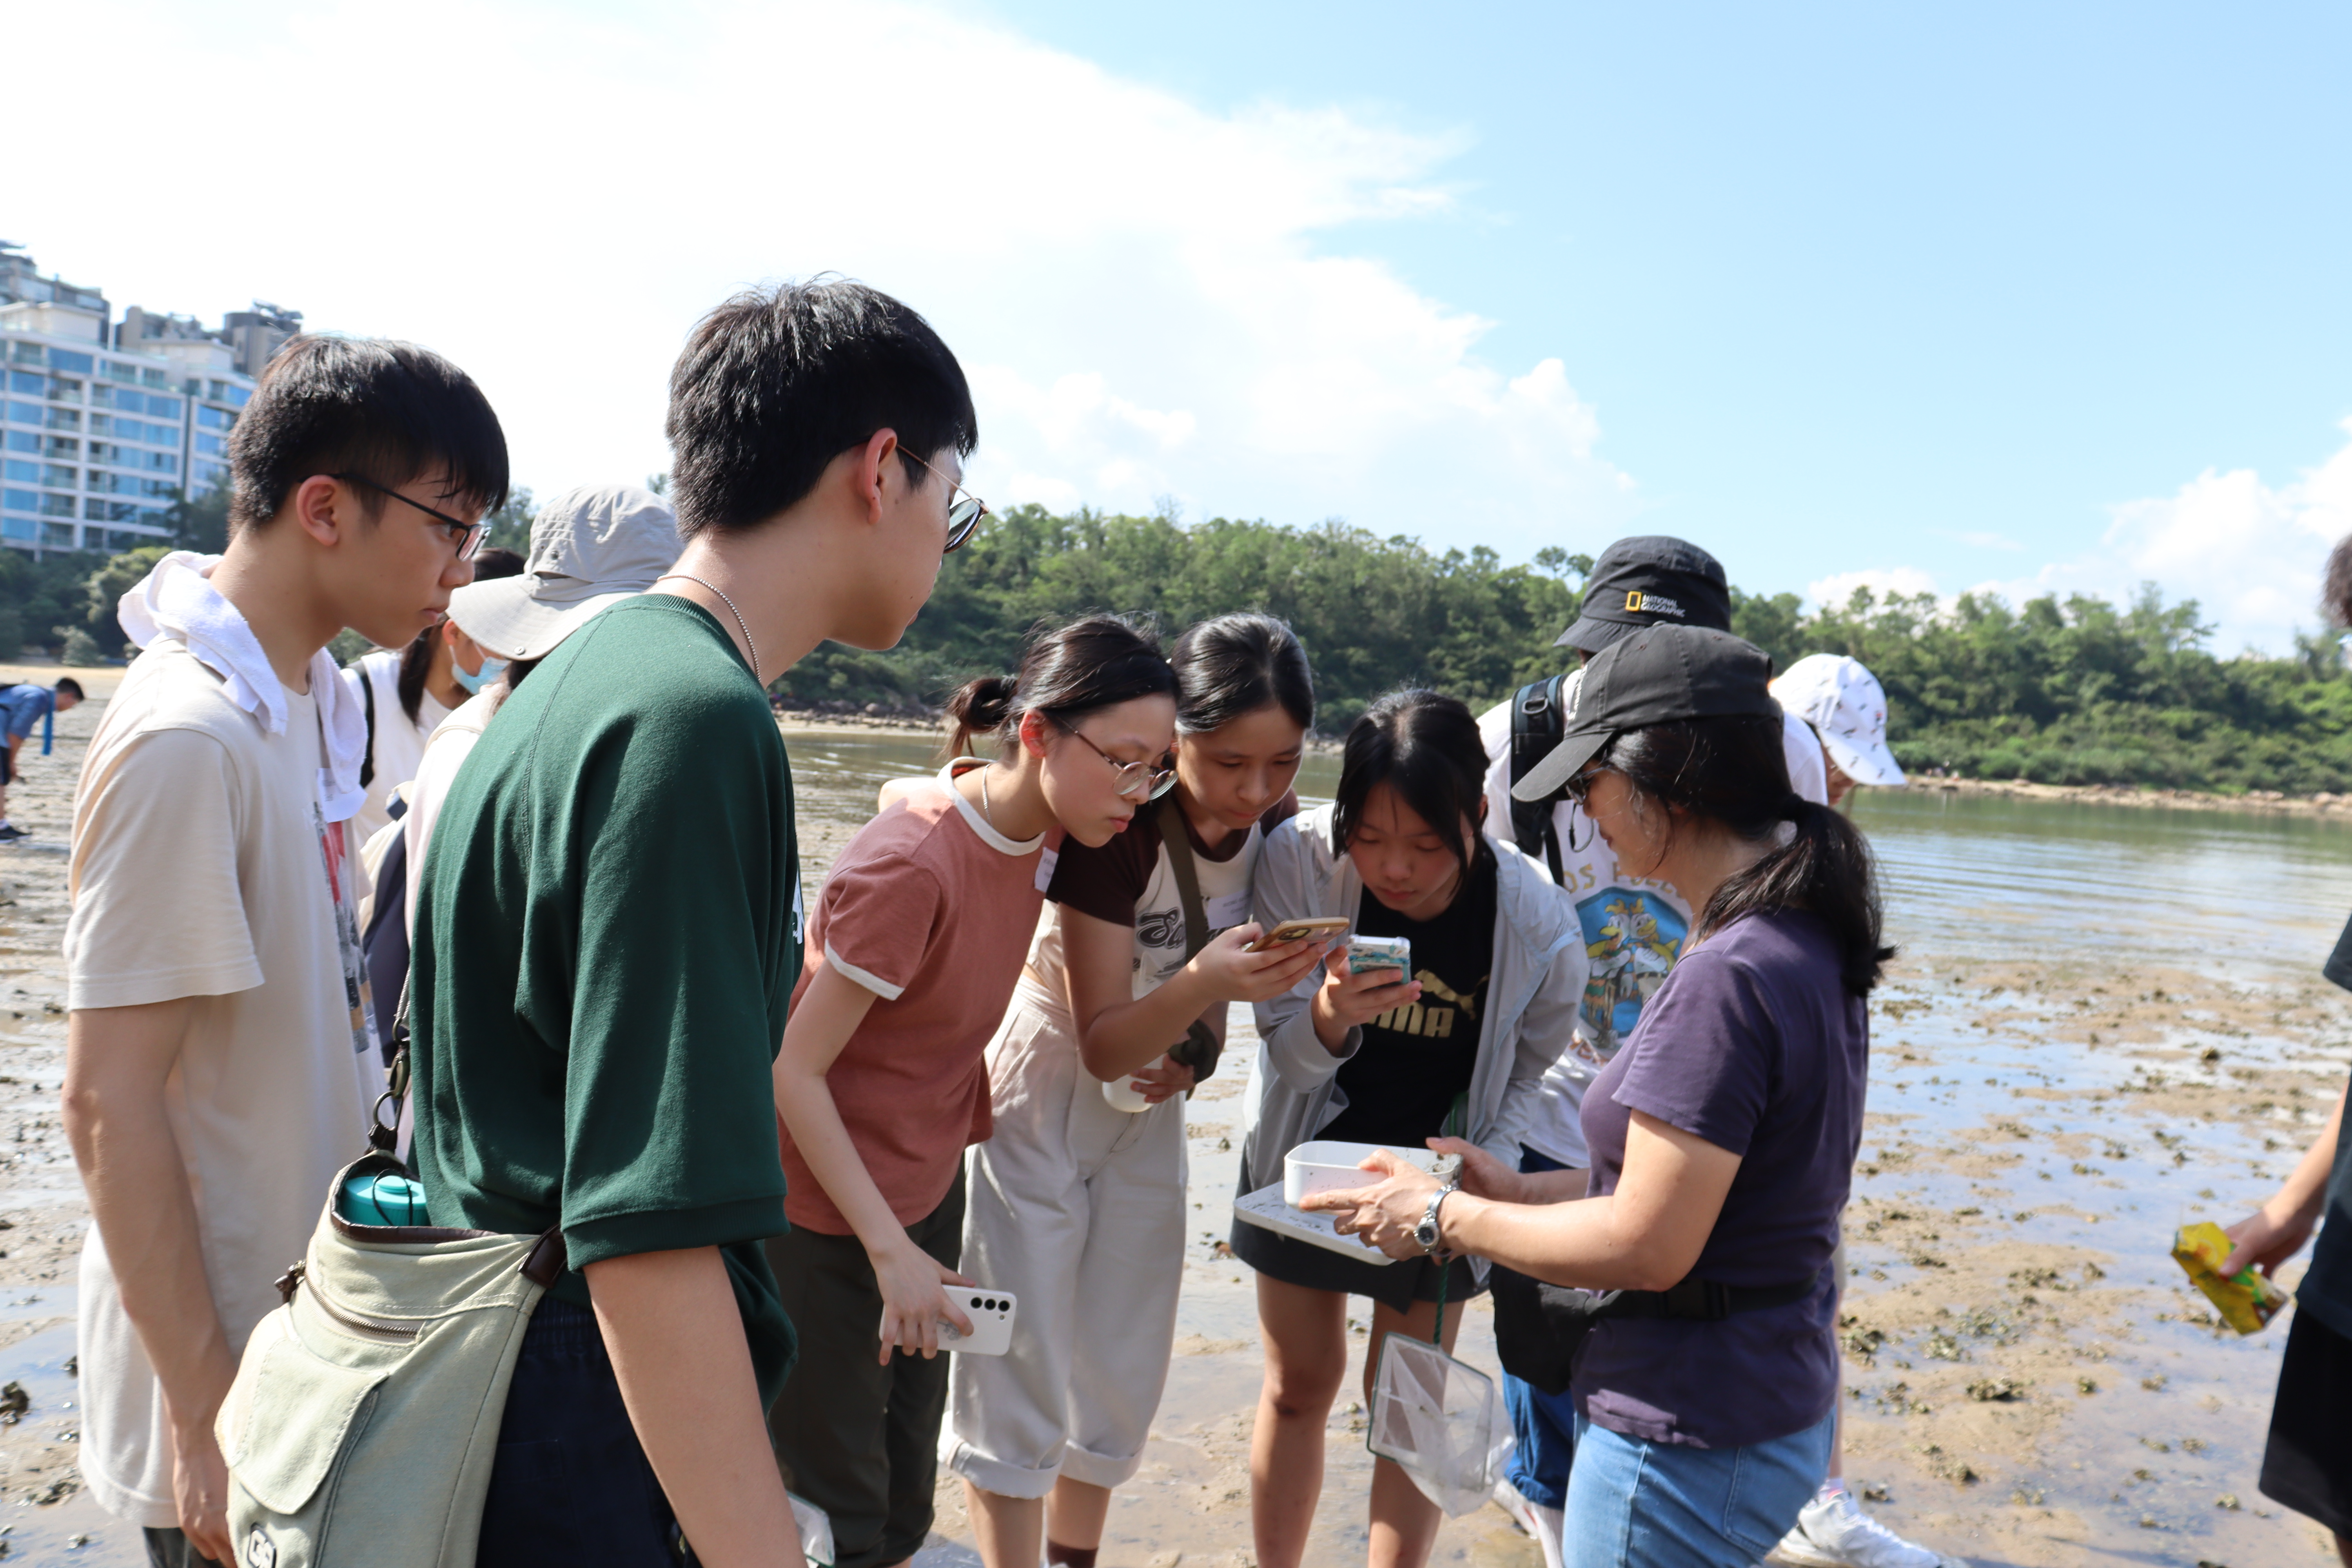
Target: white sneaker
x=1543, y=1523
x=1833, y=1532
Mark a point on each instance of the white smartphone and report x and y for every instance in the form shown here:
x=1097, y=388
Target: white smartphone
x=991, y=1312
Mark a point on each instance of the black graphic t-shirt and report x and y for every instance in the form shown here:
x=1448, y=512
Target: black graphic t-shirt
x=1403, y=1080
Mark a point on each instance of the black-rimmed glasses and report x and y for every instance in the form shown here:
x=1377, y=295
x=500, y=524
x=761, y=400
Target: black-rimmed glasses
x=1137, y=780
x=1580, y=787
x=467, y=536
x=964, y=516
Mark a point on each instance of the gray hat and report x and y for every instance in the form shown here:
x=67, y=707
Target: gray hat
x=590, y=549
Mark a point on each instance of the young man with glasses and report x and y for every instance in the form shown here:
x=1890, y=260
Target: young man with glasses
x=609, y=927
x=220, y=1061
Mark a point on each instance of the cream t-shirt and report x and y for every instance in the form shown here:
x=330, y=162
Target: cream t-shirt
x=203, y=866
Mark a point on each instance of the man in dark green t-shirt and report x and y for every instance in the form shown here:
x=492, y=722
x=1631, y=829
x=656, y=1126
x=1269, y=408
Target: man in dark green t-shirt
x=608, y=931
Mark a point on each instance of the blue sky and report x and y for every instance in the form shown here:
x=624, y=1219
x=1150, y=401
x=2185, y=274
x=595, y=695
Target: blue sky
x=1860, y=286
x=2027, y=297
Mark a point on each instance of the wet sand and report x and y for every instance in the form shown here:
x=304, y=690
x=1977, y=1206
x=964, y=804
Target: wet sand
x=2029, y=1380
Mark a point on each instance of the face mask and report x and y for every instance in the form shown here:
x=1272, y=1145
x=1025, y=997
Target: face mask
x=481, y=677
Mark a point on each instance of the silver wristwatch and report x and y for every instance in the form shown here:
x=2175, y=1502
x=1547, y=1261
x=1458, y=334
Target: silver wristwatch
x=1426, y=1232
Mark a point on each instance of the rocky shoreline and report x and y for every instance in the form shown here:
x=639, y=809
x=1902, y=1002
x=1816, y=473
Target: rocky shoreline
x=2147, y=797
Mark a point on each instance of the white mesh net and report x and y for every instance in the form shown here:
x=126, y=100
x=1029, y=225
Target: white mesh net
x=1441, y=1421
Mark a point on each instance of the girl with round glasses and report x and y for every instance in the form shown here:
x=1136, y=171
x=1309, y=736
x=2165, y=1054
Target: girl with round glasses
x=914, y=949
x=1077, y=1201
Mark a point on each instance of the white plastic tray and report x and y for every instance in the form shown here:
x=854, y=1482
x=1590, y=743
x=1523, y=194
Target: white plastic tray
x=1265, y=1209
x=1328, y=1166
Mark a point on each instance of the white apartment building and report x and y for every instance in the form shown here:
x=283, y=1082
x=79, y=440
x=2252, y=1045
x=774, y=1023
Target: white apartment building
x=104, y=426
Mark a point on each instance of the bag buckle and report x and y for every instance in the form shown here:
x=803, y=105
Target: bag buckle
x=288, y=1283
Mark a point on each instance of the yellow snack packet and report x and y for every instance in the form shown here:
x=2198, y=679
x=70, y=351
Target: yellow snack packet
x=2247, y=1300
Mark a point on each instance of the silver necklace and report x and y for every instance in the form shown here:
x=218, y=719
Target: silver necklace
x=741, y=625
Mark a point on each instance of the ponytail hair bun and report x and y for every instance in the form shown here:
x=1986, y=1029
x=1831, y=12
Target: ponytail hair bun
x=1067, y=672
x=978, y=708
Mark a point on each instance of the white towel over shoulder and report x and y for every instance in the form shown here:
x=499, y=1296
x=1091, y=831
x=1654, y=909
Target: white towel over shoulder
x=177, y=601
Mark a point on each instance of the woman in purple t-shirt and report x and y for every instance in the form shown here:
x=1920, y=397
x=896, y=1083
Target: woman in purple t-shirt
x=1723, y=1134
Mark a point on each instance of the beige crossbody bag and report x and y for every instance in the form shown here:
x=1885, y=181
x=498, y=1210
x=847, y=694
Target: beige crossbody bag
x=364, y=1417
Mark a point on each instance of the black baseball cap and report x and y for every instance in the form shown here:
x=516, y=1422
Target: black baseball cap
x=1649, y=579
x=1656, y=674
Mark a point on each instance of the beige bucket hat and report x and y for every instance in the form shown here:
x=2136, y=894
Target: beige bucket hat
x=590, y=549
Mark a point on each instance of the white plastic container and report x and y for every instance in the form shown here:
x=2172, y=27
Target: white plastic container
x=1121, y=1093
x=1328, y=1166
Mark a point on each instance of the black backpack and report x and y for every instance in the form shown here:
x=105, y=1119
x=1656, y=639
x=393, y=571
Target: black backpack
x=1538, y=721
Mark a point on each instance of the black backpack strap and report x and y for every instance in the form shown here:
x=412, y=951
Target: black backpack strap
x=1539, y=720
x=1199, y=1050
x=367, y=701
x=384, y=946
x=384, y=1136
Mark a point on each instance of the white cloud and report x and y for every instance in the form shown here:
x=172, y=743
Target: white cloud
x=2249, y=554
x=1833, y=592
x=551, y=194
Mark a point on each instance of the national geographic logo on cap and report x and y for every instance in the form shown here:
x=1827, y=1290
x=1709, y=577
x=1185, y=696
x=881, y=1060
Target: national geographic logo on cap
x=1640, y=603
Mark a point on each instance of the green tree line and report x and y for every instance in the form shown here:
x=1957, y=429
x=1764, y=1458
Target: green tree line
x=2072, y=690
x=2060, y=690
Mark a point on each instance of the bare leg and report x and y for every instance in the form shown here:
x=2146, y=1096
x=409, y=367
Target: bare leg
x=1009, y=1531
x=1306, y=1335
x=1074, y=1512
x=1405, y=1522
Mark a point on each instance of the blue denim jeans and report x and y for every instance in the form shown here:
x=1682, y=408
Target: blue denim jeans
x=1544, y=1424
x=1633, y=1504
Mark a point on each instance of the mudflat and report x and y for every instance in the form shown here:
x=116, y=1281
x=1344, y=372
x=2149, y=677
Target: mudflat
x=2088, y=1040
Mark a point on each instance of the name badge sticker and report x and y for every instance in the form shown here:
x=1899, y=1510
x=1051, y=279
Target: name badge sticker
x=1228, y=912
x=1048, y=858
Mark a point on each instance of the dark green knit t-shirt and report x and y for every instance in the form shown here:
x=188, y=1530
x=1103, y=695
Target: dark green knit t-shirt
x=607, y=936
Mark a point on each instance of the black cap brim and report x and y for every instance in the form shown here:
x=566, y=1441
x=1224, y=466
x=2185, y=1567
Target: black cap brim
x=1590, y=633
x=1575, y=748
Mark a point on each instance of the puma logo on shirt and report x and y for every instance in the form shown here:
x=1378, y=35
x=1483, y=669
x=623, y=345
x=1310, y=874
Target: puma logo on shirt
x=1434, y=1015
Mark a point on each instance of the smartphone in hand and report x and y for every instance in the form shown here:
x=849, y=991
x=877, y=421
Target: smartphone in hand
x=1380, y=952
x=1304, y=930
x=991, y=1312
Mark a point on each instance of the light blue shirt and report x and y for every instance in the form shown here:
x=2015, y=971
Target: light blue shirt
x=22, y=707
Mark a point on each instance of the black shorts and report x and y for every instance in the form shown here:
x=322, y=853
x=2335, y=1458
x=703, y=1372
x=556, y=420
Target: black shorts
x=2307, y=1465
x=1396, y=1286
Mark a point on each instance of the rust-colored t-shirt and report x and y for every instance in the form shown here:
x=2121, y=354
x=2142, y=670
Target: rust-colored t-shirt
x=931, y=910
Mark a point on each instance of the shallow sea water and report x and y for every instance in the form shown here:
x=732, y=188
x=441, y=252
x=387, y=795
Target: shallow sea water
x=2041, y=1117
x=2017, y=921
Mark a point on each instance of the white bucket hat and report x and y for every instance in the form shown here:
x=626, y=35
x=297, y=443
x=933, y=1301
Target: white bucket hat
x=590, y=549
x=1847, y=709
